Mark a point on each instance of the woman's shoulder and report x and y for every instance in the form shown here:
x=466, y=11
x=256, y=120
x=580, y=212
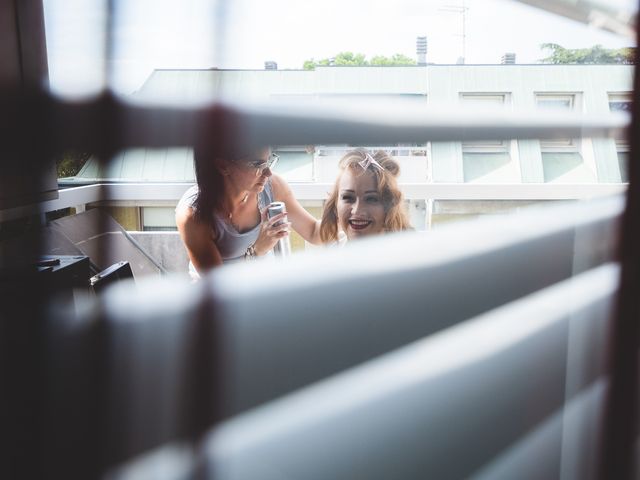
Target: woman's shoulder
x=188, y=199
x=185, y=214
x=187, y=218
x=193, y=228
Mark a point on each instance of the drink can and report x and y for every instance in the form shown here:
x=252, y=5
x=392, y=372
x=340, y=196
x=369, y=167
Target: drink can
x=283, y=247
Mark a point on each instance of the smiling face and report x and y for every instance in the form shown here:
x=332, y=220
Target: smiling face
x=359, y=206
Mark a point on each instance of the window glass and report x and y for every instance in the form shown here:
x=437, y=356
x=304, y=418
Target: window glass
x=488, y=168
x=295, y=164
x=483, y=102
x=158, y=219
x=565, y=167
x=620, y=103
x=623, y=162
x=555, y=102
x=443, y=58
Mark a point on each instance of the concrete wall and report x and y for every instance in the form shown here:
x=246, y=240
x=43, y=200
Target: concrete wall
x=127, y=217
x=166, y=248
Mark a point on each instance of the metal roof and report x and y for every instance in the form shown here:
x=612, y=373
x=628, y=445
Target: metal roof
x=174, y=165
x=139, y=165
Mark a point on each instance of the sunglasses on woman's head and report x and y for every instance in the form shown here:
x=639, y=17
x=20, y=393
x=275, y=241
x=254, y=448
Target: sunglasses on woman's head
x=261, y=165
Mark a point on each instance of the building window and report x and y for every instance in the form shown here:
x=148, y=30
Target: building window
x=621, y=102
x=560, y=103
x=484, y=101
x=562, y=160
x=295, y=163
x=551, y=101
x=488, y=161
x=623, y=162
x=158, y=219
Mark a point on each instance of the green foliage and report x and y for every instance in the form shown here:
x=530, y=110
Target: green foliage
x=396, y=60
x=359, y=59
x=351, y=59
x=312, y=64
x=70, y=163
x=594, y=55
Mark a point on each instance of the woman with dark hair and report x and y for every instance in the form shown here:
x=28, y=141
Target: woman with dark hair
x=365, y=200
x=223, y=218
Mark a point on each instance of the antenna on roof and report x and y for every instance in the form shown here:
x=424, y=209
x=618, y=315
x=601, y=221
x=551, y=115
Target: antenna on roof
x=462, y=11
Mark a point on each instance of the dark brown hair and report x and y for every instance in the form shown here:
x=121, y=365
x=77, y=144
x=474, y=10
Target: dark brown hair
x=210, y=180
x=210, y=186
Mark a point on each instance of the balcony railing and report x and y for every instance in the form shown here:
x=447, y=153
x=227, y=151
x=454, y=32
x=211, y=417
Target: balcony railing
x=150, y=193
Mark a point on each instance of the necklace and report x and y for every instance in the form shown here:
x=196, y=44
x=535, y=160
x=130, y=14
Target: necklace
x=230, y=214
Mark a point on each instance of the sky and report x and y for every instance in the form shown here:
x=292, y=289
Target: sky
x=150, y=34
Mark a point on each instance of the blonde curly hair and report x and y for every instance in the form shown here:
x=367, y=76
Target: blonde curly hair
x=386, y=170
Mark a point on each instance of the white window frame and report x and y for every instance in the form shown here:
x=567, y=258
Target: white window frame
x=620, y=97
x=568, y=145
x=487, y=146
x=622, y=144
x=142, y=220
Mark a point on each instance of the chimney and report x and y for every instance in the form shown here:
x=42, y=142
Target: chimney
x=508, y=59
x=270, y=65
x=421, y=50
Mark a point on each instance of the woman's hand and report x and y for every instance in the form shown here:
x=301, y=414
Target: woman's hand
x=302, y=221
x=271, y=230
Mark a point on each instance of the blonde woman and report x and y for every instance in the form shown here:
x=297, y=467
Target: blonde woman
x=365, y=200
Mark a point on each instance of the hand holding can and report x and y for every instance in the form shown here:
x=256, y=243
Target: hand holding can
x=283, y=247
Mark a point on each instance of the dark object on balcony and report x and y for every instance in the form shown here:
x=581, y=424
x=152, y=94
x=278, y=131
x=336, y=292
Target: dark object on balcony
x=117, y=271
x=98, y=235
x=65, y=276
x=65, y=271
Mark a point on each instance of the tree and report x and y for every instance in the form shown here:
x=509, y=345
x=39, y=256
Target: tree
x=350, y=59
x=312, y=64
x=359, y=59
x=70, y=163
x=594, y=55
x=309, y=64
x=396, y=60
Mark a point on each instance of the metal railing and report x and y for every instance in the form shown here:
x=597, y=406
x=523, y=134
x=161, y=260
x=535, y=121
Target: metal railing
x=150, y=193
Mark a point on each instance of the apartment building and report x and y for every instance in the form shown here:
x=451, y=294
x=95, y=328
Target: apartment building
x=594, y=90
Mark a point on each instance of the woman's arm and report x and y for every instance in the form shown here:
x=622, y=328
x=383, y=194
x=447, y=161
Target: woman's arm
x=198, y=240
x=302, y=221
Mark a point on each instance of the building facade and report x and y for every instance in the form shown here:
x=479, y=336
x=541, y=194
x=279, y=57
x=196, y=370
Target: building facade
x=311, y=169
